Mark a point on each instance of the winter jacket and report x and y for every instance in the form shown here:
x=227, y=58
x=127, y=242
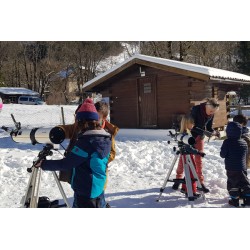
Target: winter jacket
x=71, y=133
x=113, y=130
x=246, y=137
x=234, y=149
x=201, y=120
x=88, y=159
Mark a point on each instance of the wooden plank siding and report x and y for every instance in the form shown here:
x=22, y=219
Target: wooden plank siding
x=125, y=101
x=175, y=94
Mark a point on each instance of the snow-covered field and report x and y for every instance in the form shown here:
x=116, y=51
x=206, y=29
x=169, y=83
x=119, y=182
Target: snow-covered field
x=135, y=177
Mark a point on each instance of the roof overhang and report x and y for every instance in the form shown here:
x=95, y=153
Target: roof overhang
x=187, y=69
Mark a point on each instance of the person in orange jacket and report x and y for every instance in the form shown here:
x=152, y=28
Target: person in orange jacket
x=71, y=132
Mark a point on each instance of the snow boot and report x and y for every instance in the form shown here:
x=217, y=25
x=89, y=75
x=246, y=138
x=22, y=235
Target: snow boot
x=195, y=195
x=234, y=202
x=204, y=188
x=246, y=200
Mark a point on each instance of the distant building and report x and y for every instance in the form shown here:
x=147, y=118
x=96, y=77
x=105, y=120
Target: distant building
x=11, y=95
x=152, y=92
x=64, y=89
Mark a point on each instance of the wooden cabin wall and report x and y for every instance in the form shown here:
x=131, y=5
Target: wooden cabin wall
x=124, y=101
x=176, y=94
x=221, y=116
x=202, y=90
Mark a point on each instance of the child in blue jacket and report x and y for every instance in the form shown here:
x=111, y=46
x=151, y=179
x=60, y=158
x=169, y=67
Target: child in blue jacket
x=88, y=159
x=234, y=150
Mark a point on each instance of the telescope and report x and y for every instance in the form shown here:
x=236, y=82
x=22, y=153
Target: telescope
x=183, y=138
x=55, y=135
x=186, y=139
x=185, y=144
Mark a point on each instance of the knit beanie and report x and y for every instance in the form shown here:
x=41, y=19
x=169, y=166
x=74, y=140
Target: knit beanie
x=87, y=111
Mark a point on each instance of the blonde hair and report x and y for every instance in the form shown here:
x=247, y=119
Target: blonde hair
x=185, y=120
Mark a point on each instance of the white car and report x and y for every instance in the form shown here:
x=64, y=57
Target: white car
x=30, y=100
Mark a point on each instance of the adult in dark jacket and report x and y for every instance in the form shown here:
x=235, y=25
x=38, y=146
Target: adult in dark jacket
x=88, y=159
x=203, y=115
x=234, y=150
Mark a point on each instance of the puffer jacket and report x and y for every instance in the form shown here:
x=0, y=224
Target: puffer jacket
x=71, y=132
x=234, y=148
x=88, y=159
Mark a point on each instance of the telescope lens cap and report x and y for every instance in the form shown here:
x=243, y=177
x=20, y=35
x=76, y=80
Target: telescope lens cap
x=191, y=141
x=57, y=135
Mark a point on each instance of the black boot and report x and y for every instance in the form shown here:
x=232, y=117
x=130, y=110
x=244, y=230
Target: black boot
x=205, y=189
x=195, y=195
x=234, y=202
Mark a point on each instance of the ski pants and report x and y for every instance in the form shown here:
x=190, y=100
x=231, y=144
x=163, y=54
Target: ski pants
x=238, y=185
x=83, y=202
x=199, y=145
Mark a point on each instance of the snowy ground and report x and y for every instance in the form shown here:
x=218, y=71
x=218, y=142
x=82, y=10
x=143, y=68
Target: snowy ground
x=135, y=177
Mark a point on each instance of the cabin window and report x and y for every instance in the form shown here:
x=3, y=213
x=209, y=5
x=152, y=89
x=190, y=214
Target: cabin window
x=147, y=88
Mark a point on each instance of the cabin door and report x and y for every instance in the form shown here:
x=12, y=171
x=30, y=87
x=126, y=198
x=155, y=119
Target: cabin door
x=147, y=102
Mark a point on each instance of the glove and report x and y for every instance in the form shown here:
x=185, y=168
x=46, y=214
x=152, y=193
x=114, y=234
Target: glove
x=208, y=134
x=38, y=164
x=202, y=154
x=216, y=133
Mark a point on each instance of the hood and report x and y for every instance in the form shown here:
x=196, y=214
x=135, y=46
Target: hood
x=234, y=130
x=100, y=140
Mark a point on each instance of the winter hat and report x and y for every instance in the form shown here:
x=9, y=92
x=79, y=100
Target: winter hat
x=87, y=111
x=234, y=130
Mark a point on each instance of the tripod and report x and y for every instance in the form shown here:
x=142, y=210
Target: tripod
x=31, y=197
x=184, y=152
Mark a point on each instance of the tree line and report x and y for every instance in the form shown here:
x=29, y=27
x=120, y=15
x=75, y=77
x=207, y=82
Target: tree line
x=37, y=65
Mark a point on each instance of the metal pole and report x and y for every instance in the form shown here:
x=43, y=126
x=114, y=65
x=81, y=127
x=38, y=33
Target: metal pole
x=167, y=177
x=192, y=169
x=63, y=120
x=35, y=187
x=61, y=189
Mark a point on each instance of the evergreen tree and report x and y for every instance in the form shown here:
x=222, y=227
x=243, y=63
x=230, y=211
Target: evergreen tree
x=243, y=64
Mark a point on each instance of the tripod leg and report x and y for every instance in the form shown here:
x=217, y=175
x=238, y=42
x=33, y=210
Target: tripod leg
x=35, y=188
x=167, y=177
x=192, y=168
x=61, y=189
x=190, y=193
x=30, y=198
x=26, y=197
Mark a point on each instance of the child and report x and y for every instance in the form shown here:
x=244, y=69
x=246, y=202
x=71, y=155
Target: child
x=103, y=110
x=187, y=123
x=234, y=150
x=242, y=120
x=88, y=159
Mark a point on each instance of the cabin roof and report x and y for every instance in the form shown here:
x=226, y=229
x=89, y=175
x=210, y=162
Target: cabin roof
x=183, y=68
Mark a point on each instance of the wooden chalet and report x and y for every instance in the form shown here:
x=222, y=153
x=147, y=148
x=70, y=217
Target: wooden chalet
x=151, y=92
